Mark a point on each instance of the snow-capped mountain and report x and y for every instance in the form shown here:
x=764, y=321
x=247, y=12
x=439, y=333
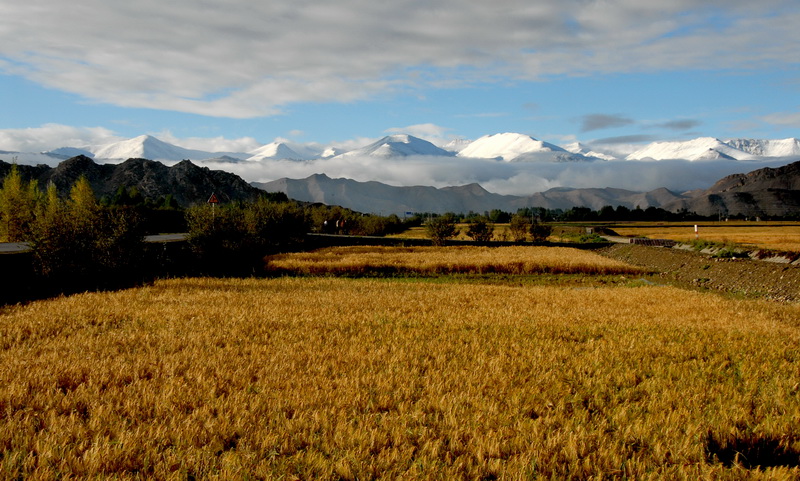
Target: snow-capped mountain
x=767, y=148
x=507, y=146
x=579, y=148
x=67, y=152
x=456, y=145
x=703, y=148
x=274, y=151
x=398, y=145
x=331, y=152
x=148, y=147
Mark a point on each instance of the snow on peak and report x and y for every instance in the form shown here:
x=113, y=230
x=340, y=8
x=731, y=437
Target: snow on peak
x=274, y=150
x=398, y=145
x=507, y=146
x=147, y=147
x=579, y=148
x=767, y=148
x=456, y=145
x=703, y=148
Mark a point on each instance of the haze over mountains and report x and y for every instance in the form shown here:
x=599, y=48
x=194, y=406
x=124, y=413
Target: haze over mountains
x=401, y=173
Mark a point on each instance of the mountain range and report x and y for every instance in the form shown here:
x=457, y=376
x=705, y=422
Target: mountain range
x=508, y=147
x=763, y=192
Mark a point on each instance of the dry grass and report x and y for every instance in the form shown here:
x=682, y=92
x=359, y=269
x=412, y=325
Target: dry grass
x=301, y=378
x=762, y=235
x=513, y=260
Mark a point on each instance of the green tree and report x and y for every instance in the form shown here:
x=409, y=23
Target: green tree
x=519, y=227
x=480, y=229
x=441, y=228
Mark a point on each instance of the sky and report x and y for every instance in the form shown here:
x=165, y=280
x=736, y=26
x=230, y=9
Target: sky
x=236, y=74
x=233, y=75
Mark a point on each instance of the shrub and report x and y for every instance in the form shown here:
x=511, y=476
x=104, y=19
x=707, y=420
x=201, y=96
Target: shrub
x=480, y=230
x=540, y=232
x=519, y=227
x=442, y=228
x=78, y=244
x=234, y=238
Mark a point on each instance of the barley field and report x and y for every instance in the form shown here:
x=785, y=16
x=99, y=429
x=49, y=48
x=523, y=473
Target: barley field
x=765, y=235
x=514, y=260
x=365, y=378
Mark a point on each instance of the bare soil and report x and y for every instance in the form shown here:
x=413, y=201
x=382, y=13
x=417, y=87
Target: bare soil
x=746, y=277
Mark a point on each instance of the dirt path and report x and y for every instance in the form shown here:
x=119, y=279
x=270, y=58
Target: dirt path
x=751, y=278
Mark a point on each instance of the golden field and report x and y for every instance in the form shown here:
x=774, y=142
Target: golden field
x=765, y=235
x=514, y=260
x=332, y=378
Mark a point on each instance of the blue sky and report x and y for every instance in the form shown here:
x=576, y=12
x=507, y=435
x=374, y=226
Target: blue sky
x=234, y=75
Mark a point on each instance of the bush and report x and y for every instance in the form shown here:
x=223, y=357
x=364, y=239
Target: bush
x=442, y=228
x=540, y=232
x=519, y=227
x=480, y=230
x=77, y=244
x=234, y=238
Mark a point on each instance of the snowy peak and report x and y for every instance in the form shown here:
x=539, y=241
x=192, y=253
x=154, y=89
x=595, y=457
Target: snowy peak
x=456, y=145
x=398, y=145
x=579, y=148
x=703, y=148
x=147, y=147
x=274, y=151
x=507, y=146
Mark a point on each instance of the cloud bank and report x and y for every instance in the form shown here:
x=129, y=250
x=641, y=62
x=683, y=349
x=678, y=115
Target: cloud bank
x=512, y=178
x=244, y=59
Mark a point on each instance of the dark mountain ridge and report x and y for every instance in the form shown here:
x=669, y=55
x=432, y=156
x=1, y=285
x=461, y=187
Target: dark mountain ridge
x=766, y=192
x=186, y=182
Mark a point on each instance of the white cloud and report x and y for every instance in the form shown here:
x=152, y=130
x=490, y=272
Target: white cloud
x=512, y=178
x=789, y=119
x=431, y=132
x=211, y=144
x=52, y=136
x=244, y=59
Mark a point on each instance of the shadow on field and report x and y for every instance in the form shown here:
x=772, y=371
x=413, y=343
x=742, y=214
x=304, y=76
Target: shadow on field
x=752, y=451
